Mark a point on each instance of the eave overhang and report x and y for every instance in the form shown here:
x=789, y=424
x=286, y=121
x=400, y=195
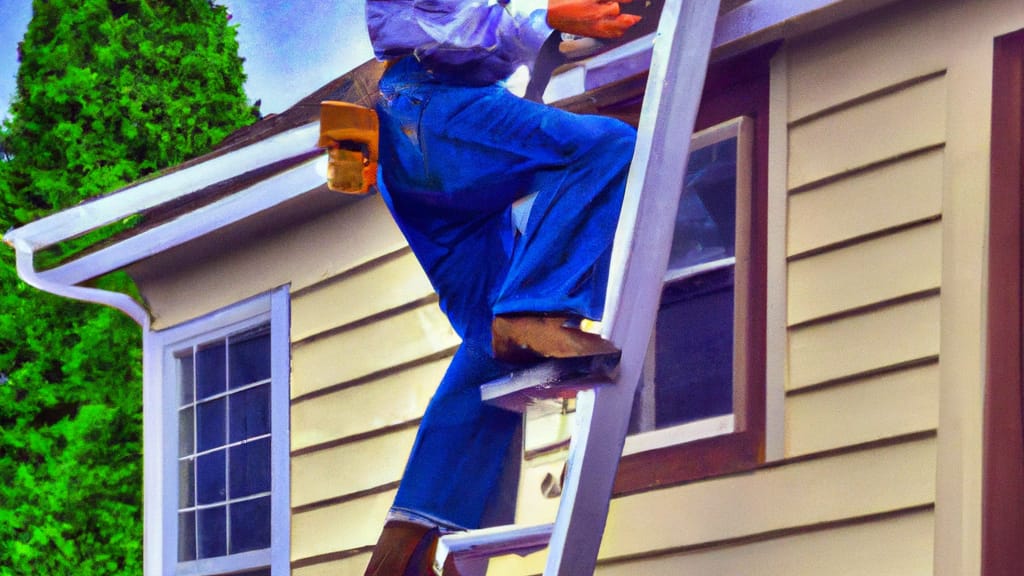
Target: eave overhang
x=293, y=151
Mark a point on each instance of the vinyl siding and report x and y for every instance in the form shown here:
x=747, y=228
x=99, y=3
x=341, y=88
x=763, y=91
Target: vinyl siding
x=369, y=346
x=868, y=177
x=881, y=180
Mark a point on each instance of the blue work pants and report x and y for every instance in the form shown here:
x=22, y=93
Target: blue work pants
x=453, y=160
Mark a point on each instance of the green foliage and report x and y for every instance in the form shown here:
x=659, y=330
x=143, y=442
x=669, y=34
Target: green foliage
x=108, y=92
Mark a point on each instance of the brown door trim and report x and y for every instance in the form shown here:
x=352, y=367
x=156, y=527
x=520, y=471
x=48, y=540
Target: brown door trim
x=1003, y=484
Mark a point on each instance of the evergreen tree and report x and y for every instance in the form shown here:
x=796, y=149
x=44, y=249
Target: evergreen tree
x=108, y=91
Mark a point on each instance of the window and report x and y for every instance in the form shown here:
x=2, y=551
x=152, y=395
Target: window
x=686, y=392
x=224, y=393
x=700, y=408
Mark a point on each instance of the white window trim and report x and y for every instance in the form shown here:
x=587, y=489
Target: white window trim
x=740, y=128
x=161, y=436
x=546, y=429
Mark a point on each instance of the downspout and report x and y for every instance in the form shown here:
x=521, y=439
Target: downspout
x=27, y=271
x=152, y=479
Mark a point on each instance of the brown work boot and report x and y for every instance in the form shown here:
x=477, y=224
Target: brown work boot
x=404, y=549
x=521, y=338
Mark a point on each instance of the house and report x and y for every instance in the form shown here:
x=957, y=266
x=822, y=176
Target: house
x=850, y=405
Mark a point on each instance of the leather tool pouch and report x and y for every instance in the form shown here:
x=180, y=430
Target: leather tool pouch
x=350, y=133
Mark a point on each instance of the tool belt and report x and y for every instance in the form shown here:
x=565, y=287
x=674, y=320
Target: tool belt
x=350, y=134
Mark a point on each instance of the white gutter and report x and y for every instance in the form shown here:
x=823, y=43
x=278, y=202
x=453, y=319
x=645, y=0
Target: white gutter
x=261, y=196
x=123, y=302
x=104, y=210
x=90, y=215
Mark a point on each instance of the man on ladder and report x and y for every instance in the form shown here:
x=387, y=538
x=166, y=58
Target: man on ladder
x=456, y=151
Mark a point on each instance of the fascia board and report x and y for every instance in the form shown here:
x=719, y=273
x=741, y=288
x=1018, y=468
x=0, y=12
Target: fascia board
x=757, y=21
x=96, y=213
x=761, y=21
x=747, y=26
x=257, y=198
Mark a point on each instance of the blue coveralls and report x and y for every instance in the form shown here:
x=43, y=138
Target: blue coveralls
x=454, y=157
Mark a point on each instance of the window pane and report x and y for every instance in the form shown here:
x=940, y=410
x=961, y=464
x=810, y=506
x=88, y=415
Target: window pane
x=211, y=420
x=186, y=483
x=187, y=379
x=249, y=357
x=186, y=536
x=250, y=468
x=210, y=363
x=250, y=525
x=249, y=413
x=212, y=532
x=210, y=482
x=706, y=221
x=186, y=432
x=694, y=347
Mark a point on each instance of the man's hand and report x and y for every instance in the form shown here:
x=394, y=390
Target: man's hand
x=593, y=18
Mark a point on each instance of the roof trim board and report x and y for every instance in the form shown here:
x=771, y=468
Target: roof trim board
x=259, y=197
x=748, y=25
x=136, y=198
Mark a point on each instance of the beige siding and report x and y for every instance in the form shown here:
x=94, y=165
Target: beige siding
x=866, y=273
x=349, y=525
x=875, y=187
x=899, y=546
x=332, y=243
x=394, y=281
x=793, y=497
x=863, y=343
x=354, y=565
x=910, y=191
x=861, y=411
x=392, y=400
x=341, y=357
x=369, y=346
x=865, y=133
x=873, y=182
x=338, y=471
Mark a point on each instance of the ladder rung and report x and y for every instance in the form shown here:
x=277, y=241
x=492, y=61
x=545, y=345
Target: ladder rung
x=549, y=382
x=487, y=542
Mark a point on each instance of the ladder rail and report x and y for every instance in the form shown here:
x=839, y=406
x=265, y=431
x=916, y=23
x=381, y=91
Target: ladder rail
x=639, y=259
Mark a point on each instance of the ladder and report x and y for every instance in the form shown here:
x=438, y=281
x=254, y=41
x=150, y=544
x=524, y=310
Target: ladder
x=639, y=259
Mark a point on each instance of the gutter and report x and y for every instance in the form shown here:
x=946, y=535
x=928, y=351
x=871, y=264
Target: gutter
x=27, y=271
x=91, y=214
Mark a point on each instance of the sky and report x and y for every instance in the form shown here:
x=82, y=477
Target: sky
x=291, y=47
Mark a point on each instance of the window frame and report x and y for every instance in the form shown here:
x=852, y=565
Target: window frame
x=161, y=406
x=741, y=129
x=734, y=88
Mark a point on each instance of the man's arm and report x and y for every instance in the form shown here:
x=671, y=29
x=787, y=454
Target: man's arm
x=486, y=40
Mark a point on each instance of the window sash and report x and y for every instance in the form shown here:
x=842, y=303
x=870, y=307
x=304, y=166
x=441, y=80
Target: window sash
x=741, y=129
x=163, y=403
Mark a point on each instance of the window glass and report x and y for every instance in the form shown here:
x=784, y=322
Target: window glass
x=250, y=525
x=212, y=531
x=706, y=220
x=249, y=413
x=210, y=362
x=224, y=447
x=691, y=376
x=694, y=331
x=693, y=347
x=210, y=421
x=248, y=354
